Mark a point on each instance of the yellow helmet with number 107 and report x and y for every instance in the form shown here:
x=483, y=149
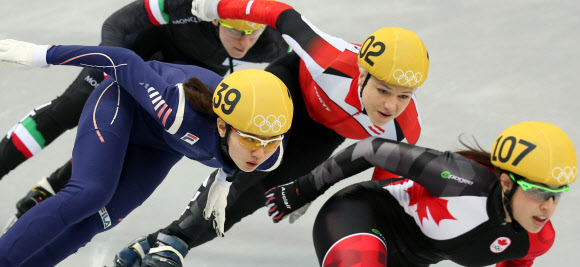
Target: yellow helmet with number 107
x=538, y=151
x=396, y=56
x=255, y=102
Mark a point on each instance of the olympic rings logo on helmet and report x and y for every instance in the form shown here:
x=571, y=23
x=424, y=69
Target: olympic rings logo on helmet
x=253, y=25
x=407, y=77
x=568, y=173
x=270, y=123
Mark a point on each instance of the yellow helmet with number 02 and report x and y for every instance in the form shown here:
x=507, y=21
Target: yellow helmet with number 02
x=538, y=151
x=255, y=102
x=396, y=56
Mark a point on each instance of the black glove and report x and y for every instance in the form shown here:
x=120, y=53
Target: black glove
x=285, y=199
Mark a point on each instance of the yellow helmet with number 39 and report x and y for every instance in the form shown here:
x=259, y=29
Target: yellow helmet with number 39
x=538, y=151
x=255, y=102
x=396, y=56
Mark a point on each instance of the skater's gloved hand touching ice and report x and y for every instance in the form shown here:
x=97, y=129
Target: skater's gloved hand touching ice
x=217, y=201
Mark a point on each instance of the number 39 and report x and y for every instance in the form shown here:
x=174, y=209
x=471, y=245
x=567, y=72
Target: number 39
x=509, y=143
x=229, y=102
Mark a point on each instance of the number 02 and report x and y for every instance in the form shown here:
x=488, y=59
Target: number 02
x=367, y=54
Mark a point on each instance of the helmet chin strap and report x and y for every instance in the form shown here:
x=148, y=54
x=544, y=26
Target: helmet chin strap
x=507, y=199
x=360, y=91
x=224, y=149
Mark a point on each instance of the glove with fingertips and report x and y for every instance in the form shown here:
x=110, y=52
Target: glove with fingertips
x=217, y=200
x=285, y=199
x=23, y=54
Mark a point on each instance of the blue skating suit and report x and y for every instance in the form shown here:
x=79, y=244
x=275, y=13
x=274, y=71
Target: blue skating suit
x=134, y=127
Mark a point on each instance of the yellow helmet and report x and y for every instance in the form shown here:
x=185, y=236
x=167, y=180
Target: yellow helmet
x=538, y=151
x=255, y=102
x=396, y=56
x=242, y=25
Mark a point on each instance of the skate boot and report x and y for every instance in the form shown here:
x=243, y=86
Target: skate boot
x=39, y=193
x=168, y=251
x=131, y=255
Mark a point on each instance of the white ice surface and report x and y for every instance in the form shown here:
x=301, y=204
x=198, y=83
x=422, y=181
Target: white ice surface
x=493, y=63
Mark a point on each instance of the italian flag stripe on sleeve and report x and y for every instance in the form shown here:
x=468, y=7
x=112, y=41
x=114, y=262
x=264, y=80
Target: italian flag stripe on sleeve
x=27, y=138
x=155, y=12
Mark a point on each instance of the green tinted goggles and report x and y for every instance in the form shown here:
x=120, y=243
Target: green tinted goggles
x=538, y=192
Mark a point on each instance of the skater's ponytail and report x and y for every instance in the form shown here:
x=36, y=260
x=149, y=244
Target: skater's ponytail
x=199, y=96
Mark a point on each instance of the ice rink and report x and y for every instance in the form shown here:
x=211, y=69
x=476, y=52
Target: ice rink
x=493, y=63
